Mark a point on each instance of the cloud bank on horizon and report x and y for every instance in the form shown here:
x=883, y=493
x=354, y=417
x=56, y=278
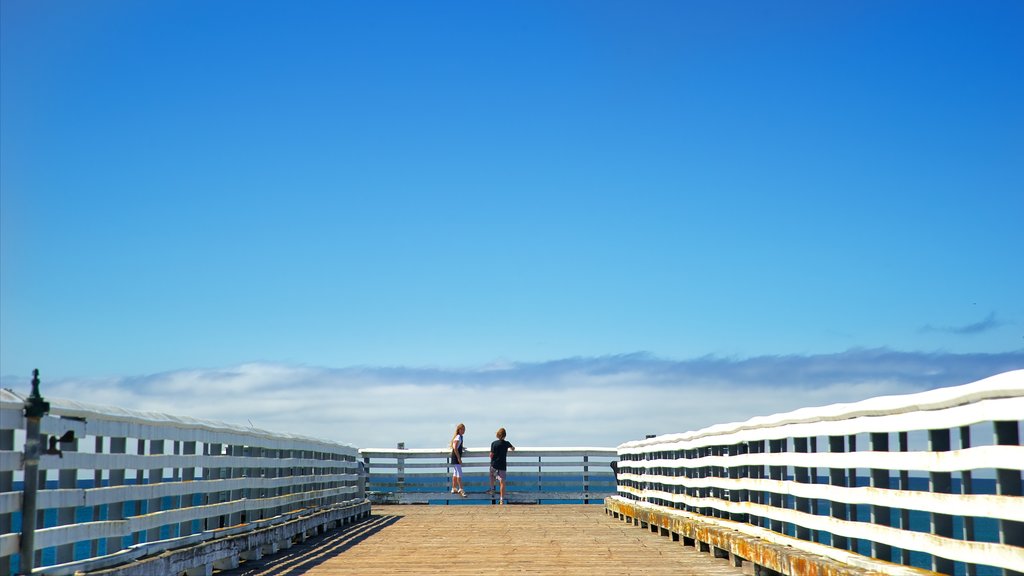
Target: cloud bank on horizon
x=595, y=401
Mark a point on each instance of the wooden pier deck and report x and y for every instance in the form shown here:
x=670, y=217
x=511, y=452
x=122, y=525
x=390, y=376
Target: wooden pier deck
x=471, y=540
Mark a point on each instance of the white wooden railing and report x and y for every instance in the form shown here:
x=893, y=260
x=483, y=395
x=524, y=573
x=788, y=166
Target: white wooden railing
x=133, y=485
x=535, y=475
x=935, y=475
x=893, y=478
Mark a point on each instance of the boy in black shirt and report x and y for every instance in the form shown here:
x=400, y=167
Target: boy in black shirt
x=499, y=462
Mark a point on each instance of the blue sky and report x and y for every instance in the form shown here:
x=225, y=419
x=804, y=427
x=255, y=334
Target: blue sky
x=462, y=185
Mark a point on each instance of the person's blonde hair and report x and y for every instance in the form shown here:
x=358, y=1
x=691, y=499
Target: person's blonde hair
x=501, y=433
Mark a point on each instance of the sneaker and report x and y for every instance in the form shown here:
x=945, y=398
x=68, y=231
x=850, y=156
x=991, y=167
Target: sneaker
x=501, y=501
x=462, y=493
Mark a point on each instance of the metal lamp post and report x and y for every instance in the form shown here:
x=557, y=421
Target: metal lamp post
x=35, y=409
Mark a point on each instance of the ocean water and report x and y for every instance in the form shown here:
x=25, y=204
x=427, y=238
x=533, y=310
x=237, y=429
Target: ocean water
x=476, y=484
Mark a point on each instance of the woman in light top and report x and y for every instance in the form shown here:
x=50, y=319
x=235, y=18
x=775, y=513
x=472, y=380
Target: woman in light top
x=458, y=448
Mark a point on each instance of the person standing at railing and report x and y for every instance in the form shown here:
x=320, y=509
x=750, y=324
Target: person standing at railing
x=458, y=449
x=499, y=462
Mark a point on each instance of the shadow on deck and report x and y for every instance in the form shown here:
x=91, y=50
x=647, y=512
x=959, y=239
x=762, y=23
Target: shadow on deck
x=309, y=555
x=556, y=539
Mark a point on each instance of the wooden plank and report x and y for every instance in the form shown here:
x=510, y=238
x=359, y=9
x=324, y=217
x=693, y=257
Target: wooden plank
x=455, y=540
x=770, y=550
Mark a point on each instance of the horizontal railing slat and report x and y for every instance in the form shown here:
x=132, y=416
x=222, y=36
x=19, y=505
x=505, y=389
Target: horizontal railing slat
x=981, y=505
x=954, y=406
x=949, y=461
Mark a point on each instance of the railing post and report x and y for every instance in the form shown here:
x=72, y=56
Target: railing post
x=35, y=409
x=6, y=485
x=941, y=483
x=67, y=479
x=115, y=510
x=837, y=477
x=155, y=476
x=586, y=481
x=851, y=481
x=704, y=472
x=97, y=482
x=237, y=471
x=904, y=442
x=880, y=515
x=757, y=471
x=140, y=479
x=364, y=474
x=802, y=476
x=540, y=473
x=400, y=473
x=213, y=453
x=813, y=473
x=776, y=473
x=188, y=474
x=1008, y=483
x=737, y=473
x=967, y=487
x=721, y=472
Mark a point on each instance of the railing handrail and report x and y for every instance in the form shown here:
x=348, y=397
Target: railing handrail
x=1007, y=385
x=75, y=415
x=525, y=451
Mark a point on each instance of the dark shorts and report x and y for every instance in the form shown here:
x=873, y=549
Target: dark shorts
x=503, y=474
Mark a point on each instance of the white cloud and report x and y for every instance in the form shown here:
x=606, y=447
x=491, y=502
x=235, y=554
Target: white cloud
x=572, y=402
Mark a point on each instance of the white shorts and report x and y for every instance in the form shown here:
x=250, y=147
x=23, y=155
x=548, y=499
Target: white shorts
x=458, y=471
